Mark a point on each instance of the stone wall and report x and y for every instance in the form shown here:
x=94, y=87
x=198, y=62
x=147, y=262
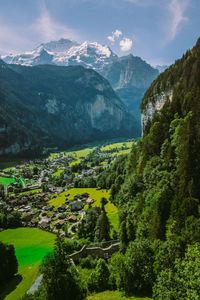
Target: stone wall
x=95, y=251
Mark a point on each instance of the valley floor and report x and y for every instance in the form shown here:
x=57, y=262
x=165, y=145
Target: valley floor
x=43, y=210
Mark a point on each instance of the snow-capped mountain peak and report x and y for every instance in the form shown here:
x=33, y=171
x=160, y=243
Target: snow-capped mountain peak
x=61, y=45
x=66, y=52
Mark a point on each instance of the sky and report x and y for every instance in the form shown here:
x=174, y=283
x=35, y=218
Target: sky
x=159, y=31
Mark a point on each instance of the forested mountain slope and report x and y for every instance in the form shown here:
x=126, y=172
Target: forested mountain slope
x=160, y=195
x=54, y=106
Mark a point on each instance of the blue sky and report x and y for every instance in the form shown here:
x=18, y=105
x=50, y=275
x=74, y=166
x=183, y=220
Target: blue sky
x=159, y=31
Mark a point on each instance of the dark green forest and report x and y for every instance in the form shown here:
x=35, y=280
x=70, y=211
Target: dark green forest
x=159, y=199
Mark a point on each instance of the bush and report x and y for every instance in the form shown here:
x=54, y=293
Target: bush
x=60, y=278
x=88, y=262
x=99, y=279
x=139, y=267
x=8, y=262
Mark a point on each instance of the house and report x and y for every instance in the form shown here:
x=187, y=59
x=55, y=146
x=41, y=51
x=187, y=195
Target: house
x=44, y=221
x=85, y=195
x=75, y=205
x=72, y=219
x=60, y=223
x=28, y=217
x=61, y=208
x=89, y=201
x=43, y=214
x=33, y=223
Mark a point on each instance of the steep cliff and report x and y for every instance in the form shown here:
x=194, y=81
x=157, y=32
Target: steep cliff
x=52, y=106
x=130, y=76
x=154, y=105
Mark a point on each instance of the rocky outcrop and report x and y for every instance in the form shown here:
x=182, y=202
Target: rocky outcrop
x=154, y=104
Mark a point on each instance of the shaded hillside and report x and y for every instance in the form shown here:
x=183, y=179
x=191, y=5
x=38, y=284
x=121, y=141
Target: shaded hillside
x=51, y=106
x=129, y=76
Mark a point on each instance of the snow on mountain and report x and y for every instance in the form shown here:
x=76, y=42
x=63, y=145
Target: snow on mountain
x=65, y=52
x=59, y=46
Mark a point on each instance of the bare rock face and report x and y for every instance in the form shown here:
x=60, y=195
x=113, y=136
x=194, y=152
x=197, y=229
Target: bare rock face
x=154, y=105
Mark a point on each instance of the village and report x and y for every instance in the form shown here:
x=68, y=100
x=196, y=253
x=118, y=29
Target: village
x=32, y=197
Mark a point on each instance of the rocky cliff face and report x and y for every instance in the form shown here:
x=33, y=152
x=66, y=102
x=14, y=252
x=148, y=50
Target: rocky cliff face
x=129, y=71
x=155, y=104
x=130, y=77
x=51, y=106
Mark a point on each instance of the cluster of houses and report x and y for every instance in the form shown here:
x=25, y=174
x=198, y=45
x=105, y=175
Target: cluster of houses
x=37, y=212
x=34, y=206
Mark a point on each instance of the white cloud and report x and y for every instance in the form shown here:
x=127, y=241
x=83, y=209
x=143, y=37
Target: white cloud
x=115, y=35
x=111, y=38
x=177, y=9
x=48, y=29
x=126, y=44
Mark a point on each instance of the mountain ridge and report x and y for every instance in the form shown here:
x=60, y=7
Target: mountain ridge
x=49, y=106
x=129, y=75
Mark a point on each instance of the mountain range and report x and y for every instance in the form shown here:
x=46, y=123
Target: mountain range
x=55, y=106
x=130, y=76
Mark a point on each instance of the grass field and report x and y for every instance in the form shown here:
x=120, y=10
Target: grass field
x=31, y=191
x=57, y=174
x=112, y=295
x=117, y=145
x=6, y=181
x=78, y=155
x=31, y=245
x=120, y=152
x=110, y=208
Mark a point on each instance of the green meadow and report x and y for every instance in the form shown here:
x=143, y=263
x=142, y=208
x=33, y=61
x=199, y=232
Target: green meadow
x=112, y=295
x=31, y=246
x=31, y=191
x=110, y=208
x=79, y=155
x=58, y=173
x=117, y=146
x=6, y=181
